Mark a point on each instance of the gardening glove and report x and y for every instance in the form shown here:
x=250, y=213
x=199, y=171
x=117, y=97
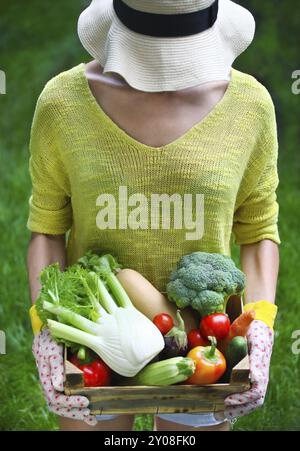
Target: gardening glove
x=260, y=344
x=49, y=361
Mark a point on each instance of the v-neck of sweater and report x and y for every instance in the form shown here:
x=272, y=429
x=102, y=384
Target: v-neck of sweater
x=213, y=115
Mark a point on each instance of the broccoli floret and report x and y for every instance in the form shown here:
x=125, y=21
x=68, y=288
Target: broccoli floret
x=179, y=293
x=205, y=281
x=208, y=302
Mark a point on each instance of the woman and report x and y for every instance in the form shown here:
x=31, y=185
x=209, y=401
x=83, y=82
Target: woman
x=158, y=111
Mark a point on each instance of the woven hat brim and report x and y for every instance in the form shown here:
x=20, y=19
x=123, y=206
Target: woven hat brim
x=155, y=64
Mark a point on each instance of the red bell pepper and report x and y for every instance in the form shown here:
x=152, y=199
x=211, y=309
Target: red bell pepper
x=95, y=373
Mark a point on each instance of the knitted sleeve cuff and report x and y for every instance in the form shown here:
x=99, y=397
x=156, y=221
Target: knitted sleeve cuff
x=52, y=222
x=249, y=234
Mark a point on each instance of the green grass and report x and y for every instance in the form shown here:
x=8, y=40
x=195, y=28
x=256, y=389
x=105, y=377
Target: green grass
x=38, y=42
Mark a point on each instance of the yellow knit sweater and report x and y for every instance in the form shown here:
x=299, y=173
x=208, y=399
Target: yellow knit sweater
x=78, y=154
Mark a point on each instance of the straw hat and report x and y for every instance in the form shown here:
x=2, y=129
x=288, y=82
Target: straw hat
x=166, y=45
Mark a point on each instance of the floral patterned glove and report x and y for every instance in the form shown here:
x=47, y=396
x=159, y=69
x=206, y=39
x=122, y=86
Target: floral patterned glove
x=49, y=361
x=260, y=343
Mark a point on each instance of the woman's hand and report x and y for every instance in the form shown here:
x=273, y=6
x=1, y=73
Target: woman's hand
x=49, y=360
x=260, y=343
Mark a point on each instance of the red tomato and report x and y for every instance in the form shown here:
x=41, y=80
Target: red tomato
x=217, y=325
x=196, y=339
x=95, y=374
x=164, y=322
x=210, y=365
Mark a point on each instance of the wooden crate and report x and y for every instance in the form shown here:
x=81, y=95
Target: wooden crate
x=155, y=399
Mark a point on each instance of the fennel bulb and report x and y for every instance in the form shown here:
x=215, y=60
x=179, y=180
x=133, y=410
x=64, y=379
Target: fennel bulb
x=96, y=312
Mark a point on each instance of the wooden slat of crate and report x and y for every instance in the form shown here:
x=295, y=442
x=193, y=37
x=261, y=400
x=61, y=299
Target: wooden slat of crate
x=153, y=401
x=145, y=402
x=169, y=399
x=189, y=392
x=177, y=407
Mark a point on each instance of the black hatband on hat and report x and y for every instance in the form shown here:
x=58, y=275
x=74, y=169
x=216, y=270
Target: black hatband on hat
x=166, y=25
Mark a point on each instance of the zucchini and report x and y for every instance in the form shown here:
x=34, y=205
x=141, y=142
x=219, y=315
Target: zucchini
x=166, y=372
x=236, y=350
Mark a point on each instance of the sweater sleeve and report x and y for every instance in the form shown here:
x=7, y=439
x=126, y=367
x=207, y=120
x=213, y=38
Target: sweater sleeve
x=256, y=213
x=50, y=209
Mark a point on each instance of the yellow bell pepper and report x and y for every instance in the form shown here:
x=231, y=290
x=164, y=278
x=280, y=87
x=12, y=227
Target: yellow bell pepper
x=36, y=322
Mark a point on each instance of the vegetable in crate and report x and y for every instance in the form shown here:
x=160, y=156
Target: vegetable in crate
x=216, y=325
x=78, y=308
x=176, y=343
x=166, y=372
x=210, y=364
x=241, y=324
x=235, y=352
x=205, y=282
x=164, y=322
x=148, y=300
x=95, y=372
x=196, y=339
x=239, y=327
